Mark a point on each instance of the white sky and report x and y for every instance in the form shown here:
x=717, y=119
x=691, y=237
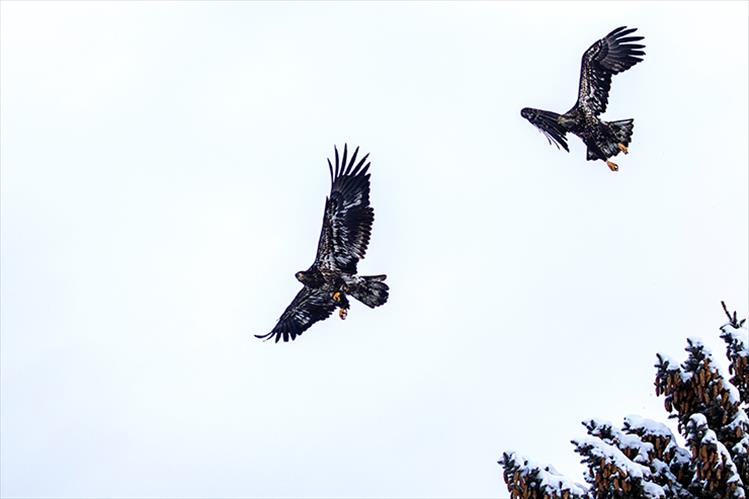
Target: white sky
x=163, y=177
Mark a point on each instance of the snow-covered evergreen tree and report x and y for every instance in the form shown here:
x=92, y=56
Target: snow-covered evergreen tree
x=526, y=479
x=715, y=474
x=643, y=459
x=737, y=351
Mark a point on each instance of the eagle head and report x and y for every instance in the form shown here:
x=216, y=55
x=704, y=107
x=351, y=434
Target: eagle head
x=527, y=113
x=303, y=277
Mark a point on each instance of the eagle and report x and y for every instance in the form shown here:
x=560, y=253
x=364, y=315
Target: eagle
x=610, y=55
x=332, y=277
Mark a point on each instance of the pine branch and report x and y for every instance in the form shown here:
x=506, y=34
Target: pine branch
x=732, y=318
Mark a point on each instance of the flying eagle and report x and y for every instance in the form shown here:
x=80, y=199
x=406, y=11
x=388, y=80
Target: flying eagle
x=346, y=226
x=611, y=55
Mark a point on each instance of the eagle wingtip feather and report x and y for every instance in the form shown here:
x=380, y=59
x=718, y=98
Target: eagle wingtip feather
x=353, y=156
x=343, y=159
x=337, y=160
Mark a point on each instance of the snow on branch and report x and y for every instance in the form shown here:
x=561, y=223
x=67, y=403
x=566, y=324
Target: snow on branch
x=736, y=337
x=611, y=471
x=732, y=319
x=716, y=475
x=528, y=480
x=697, y=386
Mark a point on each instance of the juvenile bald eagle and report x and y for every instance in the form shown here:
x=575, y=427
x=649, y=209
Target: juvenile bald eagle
x=346, y=226
x=609, y=56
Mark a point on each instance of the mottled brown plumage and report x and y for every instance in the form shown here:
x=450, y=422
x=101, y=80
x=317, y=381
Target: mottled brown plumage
x=346, y=229
x=608, y=56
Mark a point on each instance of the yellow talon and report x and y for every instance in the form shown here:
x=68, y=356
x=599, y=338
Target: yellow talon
x=623, y=148
x=612, y=166
x=342, y=313
x=337, y=296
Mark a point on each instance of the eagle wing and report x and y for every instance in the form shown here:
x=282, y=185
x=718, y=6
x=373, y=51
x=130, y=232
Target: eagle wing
x=347, y=221
x=308, y=306
x=610, y=55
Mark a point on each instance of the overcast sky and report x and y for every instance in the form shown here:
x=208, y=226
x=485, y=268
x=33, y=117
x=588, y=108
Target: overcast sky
x=163, y=177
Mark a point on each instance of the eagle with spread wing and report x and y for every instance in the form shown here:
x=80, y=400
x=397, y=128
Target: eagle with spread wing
x=610, y=55
x=346, y=227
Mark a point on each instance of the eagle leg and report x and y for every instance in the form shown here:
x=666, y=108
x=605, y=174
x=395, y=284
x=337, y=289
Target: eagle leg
x=612, y=166
x=623, y=148
x=340, y=298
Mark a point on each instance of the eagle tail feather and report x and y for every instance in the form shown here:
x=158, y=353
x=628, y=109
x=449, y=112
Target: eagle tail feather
x=623, y=130
x=621, y=133
x=371, y=290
